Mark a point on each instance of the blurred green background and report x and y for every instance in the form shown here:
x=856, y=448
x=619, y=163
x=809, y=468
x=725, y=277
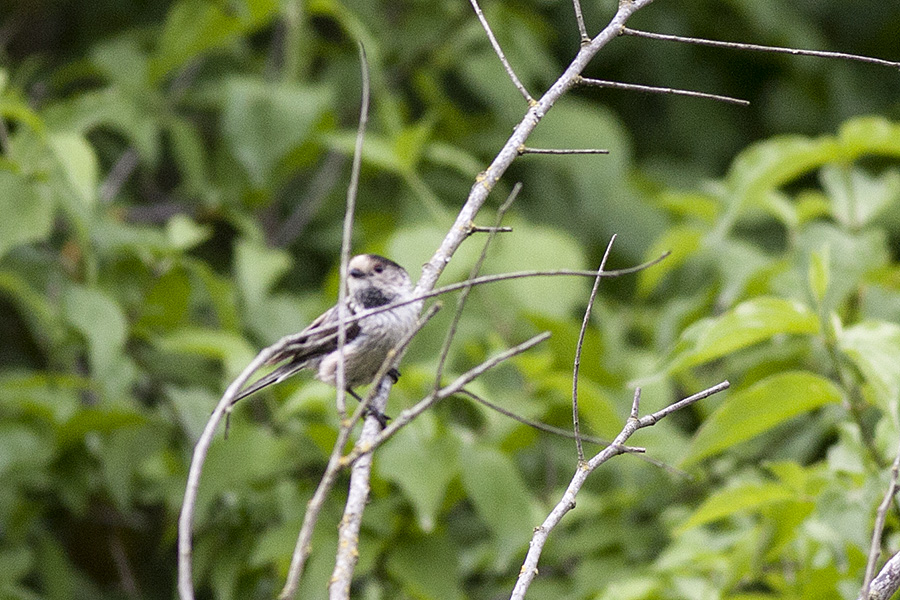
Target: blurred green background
x=172, y=180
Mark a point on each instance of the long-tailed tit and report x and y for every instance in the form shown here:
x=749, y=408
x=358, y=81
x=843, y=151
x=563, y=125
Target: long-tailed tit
x=373, y=281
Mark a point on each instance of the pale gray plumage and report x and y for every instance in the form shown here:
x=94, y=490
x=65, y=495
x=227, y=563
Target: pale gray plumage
x=373, y=281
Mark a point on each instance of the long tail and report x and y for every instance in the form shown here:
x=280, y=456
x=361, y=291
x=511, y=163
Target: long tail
x=276, y=376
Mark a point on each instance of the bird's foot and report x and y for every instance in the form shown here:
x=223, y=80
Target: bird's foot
x=379, y=416
x=394, y=374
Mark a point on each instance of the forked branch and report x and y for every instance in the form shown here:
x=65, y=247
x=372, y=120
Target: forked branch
x=529, y=568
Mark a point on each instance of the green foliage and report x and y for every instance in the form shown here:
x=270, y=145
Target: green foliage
x=172, y=183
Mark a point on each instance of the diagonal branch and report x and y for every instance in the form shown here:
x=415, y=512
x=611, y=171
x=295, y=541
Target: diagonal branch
x=303, y=546
x=652, y=89
x=579, y=345
x=759, y=48
x=878, y=529
x=541, y=533
x=347, y=236
x=499, y=51
x=405, y=417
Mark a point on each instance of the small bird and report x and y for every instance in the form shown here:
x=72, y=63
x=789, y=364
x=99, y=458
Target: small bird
x=373, y=281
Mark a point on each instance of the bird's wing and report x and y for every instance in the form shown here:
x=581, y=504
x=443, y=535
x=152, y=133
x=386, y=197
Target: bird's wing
x=318, y=339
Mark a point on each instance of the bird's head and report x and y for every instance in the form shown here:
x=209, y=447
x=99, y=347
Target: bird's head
x=375, y=280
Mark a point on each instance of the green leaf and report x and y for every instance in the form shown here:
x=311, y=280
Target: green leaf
x=500, y=496
x=741, y=499
x=422, y=462
x=100, y=419
x=770, y=164
x=101, y=321
x=541, y=248
x=232, y=349
x=189, y=154
x=819, y=273
x=853, y=256
x=195, y=26
x=746, y=324
x=874, y=347
x=27, y=216
x=79, y=164
x=249, y=456
x=262, y=122
x=257, y=268
x=857, y=197
x=22, y=448
x=427, y=569
x=682, y=241
x=870, y=135
x=757, y=409
x=165, y=305
x=184, y=233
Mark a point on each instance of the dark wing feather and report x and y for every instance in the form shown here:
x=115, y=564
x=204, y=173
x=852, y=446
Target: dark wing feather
x=315, y=341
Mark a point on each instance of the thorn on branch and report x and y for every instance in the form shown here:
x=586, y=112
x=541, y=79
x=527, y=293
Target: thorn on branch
x=527, y=150
x=652, y=89
x=481, y=229
x=758, y=47
x=509, y=70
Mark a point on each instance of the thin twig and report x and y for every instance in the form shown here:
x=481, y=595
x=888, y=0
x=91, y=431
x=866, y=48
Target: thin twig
x=878, y=529
x=526, y=150
x=652, y=89
x=324, y=180
x=461, y=301
x=4, y=137
x=541, y=533
x=405, y=417
x=578, y=346
x=502, y=277
x=759, y=48
x=886, y=584
x=499, y=51
x=304, y=539
x=118, y=175
x=582, y=30
x=346, y=240
x=480, y=229
x=486, y=181
x=201, y=450
x=544, y=426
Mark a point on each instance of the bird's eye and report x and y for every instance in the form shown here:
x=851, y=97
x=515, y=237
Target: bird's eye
x=379, y=268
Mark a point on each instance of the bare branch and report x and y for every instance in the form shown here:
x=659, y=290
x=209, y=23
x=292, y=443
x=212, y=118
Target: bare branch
x=486, y=181
x=374, y=404
x=405, y=417
x=346, y=239
x=582, y=30
x=461, y=301
x=759, y=48
x=201, y=449
x=878, y=529
x=527, y=150
x=529, y=568
x=499, y=51
x=118, y=175
x=314, y=506
x=479, y=229
x=543, y=426
x=481, y=281
x=578, y=346
x=886, y=584
x=303, y=547
x=652, y=89
x=323, y=181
